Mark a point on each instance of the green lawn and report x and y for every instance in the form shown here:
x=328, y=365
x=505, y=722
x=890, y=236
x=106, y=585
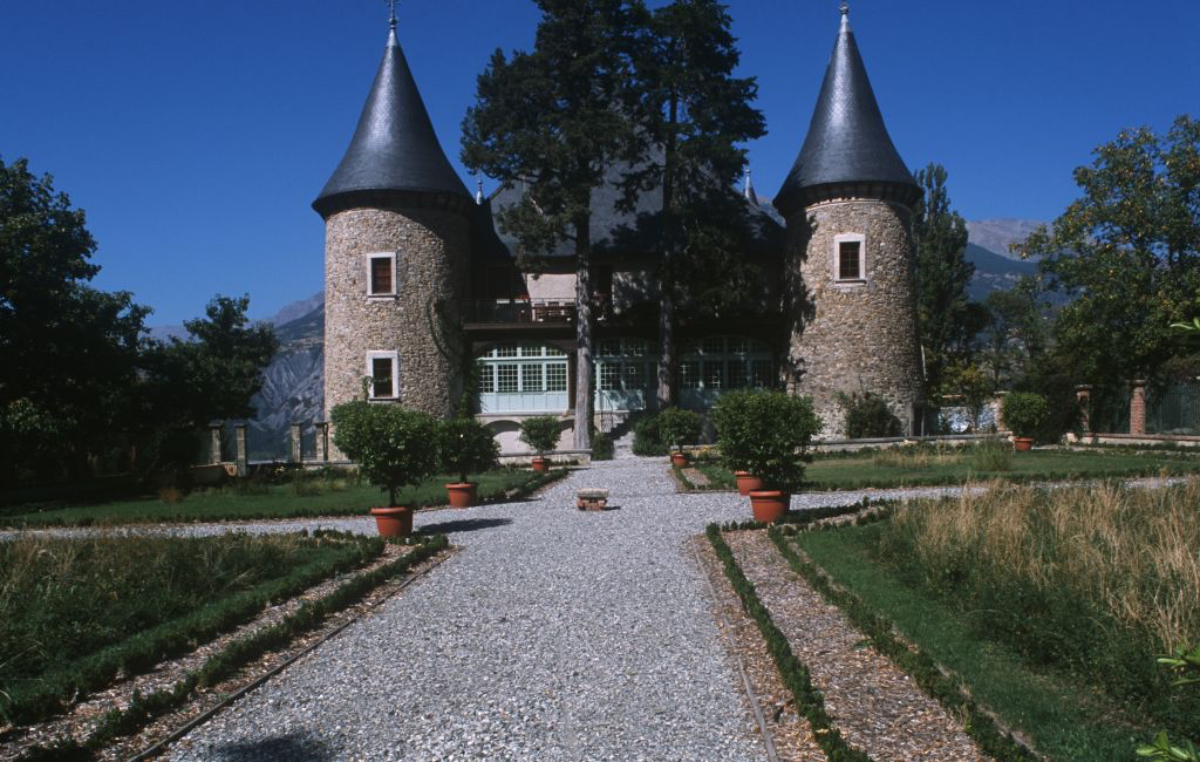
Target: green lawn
x=875, y=470
x=74, y=613
x=248, y=500
x=1065, y=719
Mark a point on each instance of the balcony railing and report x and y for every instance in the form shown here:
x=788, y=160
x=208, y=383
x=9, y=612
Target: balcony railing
x=520, y=311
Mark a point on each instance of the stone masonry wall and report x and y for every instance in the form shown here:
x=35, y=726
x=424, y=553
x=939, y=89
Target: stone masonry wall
x=861, y=336
x=432, y=248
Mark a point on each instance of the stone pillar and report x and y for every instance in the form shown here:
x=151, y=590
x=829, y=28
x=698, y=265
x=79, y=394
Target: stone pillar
x=296, y=453
x=243, y=463
x=322, y=443
x=1137, y=407
x=998, y=411
x=1083, y=398
x=214, y=444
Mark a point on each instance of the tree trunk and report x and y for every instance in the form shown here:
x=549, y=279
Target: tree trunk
x=583, y=334
x=666, y=279
x=666, y=345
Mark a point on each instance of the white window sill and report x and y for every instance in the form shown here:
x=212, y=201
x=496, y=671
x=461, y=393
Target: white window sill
x=850, y=284
x=382, y=296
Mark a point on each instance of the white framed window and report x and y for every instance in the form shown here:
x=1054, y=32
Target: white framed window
x=383, y=368
x=849, y=258
x=381, y=274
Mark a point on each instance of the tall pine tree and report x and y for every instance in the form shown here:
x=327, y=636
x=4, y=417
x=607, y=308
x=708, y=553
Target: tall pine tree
x=695, y=112
x=554, y=120
x=948, y=320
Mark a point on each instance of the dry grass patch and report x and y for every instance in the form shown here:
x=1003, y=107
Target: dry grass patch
x=1095, y=580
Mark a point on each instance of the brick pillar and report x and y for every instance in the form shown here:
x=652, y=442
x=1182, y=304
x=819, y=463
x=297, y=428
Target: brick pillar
x=1083, y=398
x=1137, y=408
x=322, y=442
x=214, y=444
x=243, y=463
x=296, y=453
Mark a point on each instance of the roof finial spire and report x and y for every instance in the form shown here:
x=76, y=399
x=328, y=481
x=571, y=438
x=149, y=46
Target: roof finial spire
x=845, y=8
x=748, y=192
x=392, y=17
x=479, y=191
x=845, y=16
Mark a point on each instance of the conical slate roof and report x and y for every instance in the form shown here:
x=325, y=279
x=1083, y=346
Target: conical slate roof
x=847, y=140
x=394, y=148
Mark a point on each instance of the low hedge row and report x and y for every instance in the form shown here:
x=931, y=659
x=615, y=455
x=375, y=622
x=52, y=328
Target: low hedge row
x=795, y=675
x=143, y=709
x=994, y=741
x=43, y=521
x=53, y=691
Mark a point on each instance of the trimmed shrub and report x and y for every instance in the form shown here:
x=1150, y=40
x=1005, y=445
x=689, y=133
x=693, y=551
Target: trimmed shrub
x=391, y=445
x=465, y=446
x=1024, y=413
x=602, y=447
x=677, y=428
x=541, y=433
x=766, y=433
x=647, y=438
x=868, y=416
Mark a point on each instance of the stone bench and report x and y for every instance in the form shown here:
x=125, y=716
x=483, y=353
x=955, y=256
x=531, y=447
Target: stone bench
x=591, y=499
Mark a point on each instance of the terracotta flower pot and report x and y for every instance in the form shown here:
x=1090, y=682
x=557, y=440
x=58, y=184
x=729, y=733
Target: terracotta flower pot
x=541, y=465
x=393, y=522
x=463, y=494
x=679, y=459
x=1022, y=444
x=770, y=505
x=747, y=482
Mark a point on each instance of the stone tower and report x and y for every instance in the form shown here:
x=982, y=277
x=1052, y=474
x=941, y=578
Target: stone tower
x=397, y=238
x=848, y=205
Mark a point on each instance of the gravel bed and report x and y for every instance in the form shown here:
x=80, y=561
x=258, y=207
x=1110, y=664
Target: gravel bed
x=876, y=705
x=555, y=634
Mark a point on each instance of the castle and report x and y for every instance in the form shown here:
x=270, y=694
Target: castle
x=418, y=279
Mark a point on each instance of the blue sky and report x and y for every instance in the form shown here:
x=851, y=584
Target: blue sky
x=196, y=134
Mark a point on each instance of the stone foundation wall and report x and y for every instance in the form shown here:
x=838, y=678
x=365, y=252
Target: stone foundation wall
x=854, y=337
x=432, y=247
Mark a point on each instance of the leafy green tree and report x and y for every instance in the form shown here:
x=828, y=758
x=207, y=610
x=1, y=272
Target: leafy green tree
x=1017, y=333
x=766, y=433
x=948, y=321
x=541, y=433
x=211, y=375
x=215, y=372
x=70, y=351
x=553, y=121
x=466, y=446
x=1127, y=252
x=695, y=112
x=390, y=445
x=679, y=427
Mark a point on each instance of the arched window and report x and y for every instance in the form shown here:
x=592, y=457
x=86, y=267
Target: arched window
x=717, y=363
x=523, y=378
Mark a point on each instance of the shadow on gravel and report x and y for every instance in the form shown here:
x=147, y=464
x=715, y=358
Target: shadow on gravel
x=462, y=525
x=294, y=746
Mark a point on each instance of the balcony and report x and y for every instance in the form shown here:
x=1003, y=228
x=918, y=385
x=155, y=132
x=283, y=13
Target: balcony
x=521, y=311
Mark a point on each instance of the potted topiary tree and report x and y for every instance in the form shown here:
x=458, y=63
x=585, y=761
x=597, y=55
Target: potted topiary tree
x=1024, y=413
x=677, y=429
x=465, y=446
x=767, y=434
x=391, y=447
x=728, y=418
x=541, y=433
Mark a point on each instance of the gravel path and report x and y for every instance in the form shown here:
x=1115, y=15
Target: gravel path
x=556, y=634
